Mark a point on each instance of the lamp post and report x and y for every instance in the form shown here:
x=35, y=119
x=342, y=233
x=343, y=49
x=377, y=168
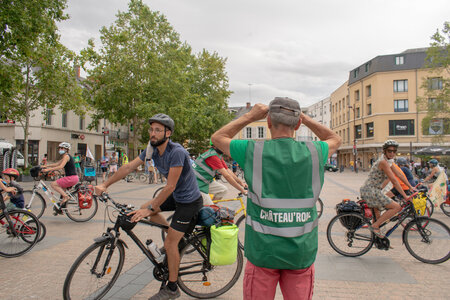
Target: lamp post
x=354, y=139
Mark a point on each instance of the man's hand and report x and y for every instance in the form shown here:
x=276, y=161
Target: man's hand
x=258, y=112
x=139, y=214
x=99, y=189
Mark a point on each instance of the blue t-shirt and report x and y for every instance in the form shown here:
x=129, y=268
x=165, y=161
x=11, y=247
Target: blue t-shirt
x=409, y=175
x=186, y=190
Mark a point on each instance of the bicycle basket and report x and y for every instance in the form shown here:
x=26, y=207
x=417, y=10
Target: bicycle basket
x=347, y=206
x=420, y=204
x=34, y=171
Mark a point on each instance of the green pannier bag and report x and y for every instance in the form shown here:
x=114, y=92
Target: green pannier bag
x=224, y=244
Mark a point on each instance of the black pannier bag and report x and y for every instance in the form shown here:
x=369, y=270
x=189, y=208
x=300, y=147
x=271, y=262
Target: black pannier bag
x=347, y=206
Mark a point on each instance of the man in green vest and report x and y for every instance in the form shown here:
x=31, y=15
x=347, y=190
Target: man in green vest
x=284, y=178
x=206, y=166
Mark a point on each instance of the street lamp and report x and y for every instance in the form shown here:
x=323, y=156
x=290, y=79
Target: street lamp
x=354, y=138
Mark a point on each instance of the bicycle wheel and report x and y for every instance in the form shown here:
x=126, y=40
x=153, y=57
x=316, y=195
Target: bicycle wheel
x=319, y=207
x=77, y=214
x=198, y=278
x=241, y=225
x=409, y=218
x=32, y=225
x=27, y=230
x=94, y=272
x=428, y=243
x=143, y=178
x=349, y=234
x=445, y=209
x=34, y=202
x=157, y=192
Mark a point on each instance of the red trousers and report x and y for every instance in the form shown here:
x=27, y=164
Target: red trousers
x=261, y=283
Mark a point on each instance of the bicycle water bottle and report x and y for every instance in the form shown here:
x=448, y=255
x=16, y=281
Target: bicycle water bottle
x=154, y=250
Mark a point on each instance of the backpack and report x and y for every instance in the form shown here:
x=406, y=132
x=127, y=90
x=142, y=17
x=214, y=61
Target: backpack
x=214, y=214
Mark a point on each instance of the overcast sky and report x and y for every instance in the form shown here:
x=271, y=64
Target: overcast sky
x=295, y=48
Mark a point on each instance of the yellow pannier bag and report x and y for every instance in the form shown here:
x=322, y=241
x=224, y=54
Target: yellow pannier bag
x=420, y=204
x=224, y=244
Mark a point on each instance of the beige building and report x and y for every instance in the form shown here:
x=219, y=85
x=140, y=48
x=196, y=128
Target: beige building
x=320, y=112
x=378, y=102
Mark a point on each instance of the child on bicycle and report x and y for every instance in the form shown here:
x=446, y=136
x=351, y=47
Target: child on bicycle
x=13, y=189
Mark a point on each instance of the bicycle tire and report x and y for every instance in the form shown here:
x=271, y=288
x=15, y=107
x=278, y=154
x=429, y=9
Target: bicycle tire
x=37, y=206
x=319, y=207
x=241, y=225
x=431, y=239
x=27, y=234
x=84, y=283
x=157, y=192
x=75, y=213
x=356, y=228
x=42, y=232
x=202, y=280
x=445, y=207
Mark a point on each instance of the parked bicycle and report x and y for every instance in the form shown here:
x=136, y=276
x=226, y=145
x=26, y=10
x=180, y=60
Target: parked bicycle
x=96, y=270
x=77, y=209
x=240, y=223
x=425, y=238
x=19, y=231
x=142, y=177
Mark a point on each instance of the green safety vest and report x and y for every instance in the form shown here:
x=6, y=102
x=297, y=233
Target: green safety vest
x=285, y=178
x=204, y=173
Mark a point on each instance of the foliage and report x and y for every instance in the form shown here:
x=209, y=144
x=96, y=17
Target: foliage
x=436, y=101
x=36, y=70
x=143, y=68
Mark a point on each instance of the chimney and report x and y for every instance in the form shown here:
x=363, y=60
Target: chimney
x=77, y=71
x=248, y=105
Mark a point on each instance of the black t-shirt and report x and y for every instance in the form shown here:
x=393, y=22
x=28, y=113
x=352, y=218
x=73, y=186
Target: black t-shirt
x=69, y=168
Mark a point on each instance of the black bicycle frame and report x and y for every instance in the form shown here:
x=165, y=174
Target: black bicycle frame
x=406, y=212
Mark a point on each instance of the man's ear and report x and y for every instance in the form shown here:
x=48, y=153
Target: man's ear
x=298, y=124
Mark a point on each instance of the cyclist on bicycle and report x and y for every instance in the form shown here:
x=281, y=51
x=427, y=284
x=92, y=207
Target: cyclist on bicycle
x=180, y=194
x=206, y=167
x=434, y=173
x=70, y=179
x=371, y=191
x=14, y=190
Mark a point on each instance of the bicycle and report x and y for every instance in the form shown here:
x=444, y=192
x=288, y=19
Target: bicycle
x=425, y=238
x=240, y=223
x=135, y=176
x=76, y=209
x=96, y=270
x=20, y=230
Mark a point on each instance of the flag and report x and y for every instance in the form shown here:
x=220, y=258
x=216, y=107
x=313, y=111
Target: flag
x=89, y=153
x=439, y=189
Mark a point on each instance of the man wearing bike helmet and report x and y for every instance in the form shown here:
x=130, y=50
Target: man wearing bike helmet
x=379, y=175
x=180, y=194
x=14, y=190
x=206, y=167
x=285, y=178
x=70, y=178
x=434, y=172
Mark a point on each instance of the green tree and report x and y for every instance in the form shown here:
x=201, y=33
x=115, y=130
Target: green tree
x=436, y=100
x=36, y=70
x=142, y=68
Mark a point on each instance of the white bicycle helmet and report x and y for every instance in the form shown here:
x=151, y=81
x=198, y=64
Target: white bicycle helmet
x=64, y=145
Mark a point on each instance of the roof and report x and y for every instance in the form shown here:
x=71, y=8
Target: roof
x=410, y=59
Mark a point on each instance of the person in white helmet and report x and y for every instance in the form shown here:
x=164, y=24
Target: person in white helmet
x=70, y=179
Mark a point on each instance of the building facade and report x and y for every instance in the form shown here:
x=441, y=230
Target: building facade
x=320, y=112
x=378, y=102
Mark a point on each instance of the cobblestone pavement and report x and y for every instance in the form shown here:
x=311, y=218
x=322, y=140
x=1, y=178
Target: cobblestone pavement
x=392, y=274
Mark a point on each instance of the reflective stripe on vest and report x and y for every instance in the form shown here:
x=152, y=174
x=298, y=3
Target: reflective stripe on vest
x=199, y=176
x=269, y=203
x=200, y=162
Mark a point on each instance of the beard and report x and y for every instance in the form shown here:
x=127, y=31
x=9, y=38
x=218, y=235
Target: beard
x=158, y=142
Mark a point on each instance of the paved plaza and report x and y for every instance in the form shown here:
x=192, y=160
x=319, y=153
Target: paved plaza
x=392, y=274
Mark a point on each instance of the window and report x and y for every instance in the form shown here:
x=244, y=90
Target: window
x=348, y=115
x=357, y=112
x=401, y=127
x=400, y=86
x=48, y=116
x=366, y=67
x=248, y=131
x=64, y=120
x=434, y=104
x=369, y=129
x=343, y=135
x=358, y=132
x=261, y=133
x=348, y=100
x=355, y=73
x=435, y=83
x=339, y=120
x=369, y=109
x=401, y=105
x=369, y=91
x=81, y=123
x=399, y=60
x=357, y=95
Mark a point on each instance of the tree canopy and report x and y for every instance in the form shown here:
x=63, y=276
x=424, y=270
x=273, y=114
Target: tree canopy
x=436, y=101
x=143, y=68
